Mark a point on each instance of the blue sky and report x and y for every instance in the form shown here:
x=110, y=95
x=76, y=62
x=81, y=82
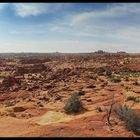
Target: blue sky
x=69, y=27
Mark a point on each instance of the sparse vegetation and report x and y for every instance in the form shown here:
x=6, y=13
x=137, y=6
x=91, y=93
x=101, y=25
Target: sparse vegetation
x=40, y=92
x=81, y=93
x=131, y=98
x=8, y=103
x=73, y=104
x=130, y=118
x=108, y=72
x=115, y=79
x=132, y=73
x=110, y=110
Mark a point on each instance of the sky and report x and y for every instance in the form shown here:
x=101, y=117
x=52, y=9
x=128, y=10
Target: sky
x=69, y=27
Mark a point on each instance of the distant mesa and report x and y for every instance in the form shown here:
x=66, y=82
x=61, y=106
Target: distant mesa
x=100, y=52
x=57, y=52
x=104, y=52
x=121, y=52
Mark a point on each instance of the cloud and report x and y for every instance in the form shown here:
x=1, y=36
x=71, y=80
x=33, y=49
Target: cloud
x=35, y=9
x=30, y=9
x=107, y=25
x=91, y=24
x=114, y=10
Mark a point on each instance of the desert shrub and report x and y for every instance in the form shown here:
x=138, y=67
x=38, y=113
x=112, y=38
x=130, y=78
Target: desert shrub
x=133, y=73
x=115, y=79
x=130, y=118
x=81, y=93
x=131, y=98
x=73, y=104
x=8, y=103
x=108, y=73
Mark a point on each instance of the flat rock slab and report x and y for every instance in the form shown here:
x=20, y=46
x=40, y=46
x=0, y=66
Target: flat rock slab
x=53, y=117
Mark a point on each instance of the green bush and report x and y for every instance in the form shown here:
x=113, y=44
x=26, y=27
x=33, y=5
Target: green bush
x=130, y=118
x=81, y=93
x=131, y=98
x=115, y=79
x=8, y=103
x=108, y=72
x=73, y=104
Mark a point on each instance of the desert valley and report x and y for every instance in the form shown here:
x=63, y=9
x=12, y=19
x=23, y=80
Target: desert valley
x=69, y=69
x=70, y=95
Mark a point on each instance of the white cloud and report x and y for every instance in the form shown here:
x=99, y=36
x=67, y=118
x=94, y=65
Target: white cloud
x=115, y=10
x=100, y=26
x=35, y=9
x=30, y=9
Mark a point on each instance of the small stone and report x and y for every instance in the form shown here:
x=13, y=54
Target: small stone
x=39, y=104
x=89, y=100
x=98, y=109
x=58, y=98
x=80, y=93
